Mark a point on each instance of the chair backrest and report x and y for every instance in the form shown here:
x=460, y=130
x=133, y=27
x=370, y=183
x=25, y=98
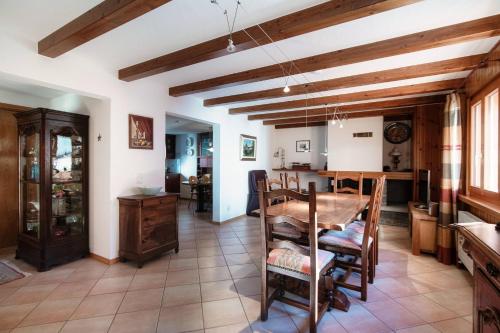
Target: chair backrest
x=273, y=184
x=310, y=227
x=193, y=180
x=340, y=176
x=374, y=208
x=206, y=179
x=292, y=182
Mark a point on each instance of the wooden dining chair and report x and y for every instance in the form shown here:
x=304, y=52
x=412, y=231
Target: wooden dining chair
x=273, y=184
x=292, y=182
x=193, y=184
x=285, y=258
x=351, y=242
x=348, y=178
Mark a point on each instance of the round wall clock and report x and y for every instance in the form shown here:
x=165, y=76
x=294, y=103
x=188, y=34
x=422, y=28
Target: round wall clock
x=397, y=132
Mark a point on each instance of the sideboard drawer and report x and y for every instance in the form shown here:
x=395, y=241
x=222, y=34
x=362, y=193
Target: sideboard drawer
x=158, y=235
x=159, y=201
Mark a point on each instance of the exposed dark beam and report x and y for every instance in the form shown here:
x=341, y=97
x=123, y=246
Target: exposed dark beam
x=412, y=89
x=370, y=106
x=310, y=122
x=104, y=17
x=452, y=34
x=402, y=73
x=315, y=124
x=311, y=19
x=358, y=114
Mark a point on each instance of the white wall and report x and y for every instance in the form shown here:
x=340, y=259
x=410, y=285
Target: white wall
x=125, y=167
x=346, y=152
x=286, y=138
x=16, y=98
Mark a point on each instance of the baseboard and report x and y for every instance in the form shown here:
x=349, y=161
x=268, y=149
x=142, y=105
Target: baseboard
x=104, y=260
x=229, y=220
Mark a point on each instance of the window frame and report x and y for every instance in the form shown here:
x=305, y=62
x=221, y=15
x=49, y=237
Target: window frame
x=480, y=192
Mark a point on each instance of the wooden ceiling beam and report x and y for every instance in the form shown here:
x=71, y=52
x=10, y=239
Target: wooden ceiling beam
x=452, y=34
x=377, y=113
x=104, y=17
x=402, y=73
x=328, y=117
x=314, y=124
x=370, y=106
x=310, y=19
x=412, y=89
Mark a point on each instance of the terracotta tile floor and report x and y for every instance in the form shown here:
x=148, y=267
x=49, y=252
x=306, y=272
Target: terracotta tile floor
x=213, y=285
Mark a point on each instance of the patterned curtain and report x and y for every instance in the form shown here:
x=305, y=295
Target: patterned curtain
x=451, y=177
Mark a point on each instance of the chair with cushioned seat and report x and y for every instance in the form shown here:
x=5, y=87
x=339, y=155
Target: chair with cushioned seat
x=285, y=258
x=351, y=241
x=343, y=179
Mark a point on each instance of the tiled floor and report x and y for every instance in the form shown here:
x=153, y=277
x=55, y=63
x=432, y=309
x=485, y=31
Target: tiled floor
x=212, y=285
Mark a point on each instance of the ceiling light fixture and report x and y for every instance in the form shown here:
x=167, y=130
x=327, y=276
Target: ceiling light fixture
x=230, y=27
x=286, y=89
x=325, y=153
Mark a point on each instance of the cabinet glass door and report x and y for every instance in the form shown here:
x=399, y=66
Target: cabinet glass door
x=66, y=152
x=29, y=171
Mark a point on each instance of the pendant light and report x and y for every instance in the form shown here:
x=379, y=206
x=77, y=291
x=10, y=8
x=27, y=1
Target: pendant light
x=210, y=142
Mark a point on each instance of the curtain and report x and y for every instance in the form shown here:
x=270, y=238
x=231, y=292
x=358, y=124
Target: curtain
x=451, y=177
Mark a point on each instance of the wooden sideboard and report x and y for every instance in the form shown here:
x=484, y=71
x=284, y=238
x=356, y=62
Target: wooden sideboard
x=482, y=244
x=423, y=230
x=148, y=226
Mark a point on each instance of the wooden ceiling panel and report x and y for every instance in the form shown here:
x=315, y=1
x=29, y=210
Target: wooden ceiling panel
x=311, y=19
x=412, y=89
x=104, y=17
x=453, y=34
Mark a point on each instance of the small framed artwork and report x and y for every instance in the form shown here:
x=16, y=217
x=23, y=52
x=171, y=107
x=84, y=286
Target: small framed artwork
x=302, y=146
x=140, y=132
x=248, y=148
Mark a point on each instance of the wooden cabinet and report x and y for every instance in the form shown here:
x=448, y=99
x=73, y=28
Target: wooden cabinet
x=173, y=182
x=423, y=230
x=148, y=226
x=53, y=187
x=482, y=244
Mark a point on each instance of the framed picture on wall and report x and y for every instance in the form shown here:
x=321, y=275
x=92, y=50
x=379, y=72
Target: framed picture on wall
x=140, y=132
x=302, y=146
x=248, y=147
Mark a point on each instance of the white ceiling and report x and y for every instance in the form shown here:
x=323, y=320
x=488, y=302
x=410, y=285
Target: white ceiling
x=182, y=23
x=178, y=125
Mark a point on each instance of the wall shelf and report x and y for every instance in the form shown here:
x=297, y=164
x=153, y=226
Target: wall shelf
x=296, y=170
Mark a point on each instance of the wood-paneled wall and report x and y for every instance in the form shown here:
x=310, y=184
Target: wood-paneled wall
x=427, y=138
x=9, y=198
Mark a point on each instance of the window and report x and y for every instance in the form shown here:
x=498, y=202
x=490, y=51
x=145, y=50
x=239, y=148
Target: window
x=484, y=141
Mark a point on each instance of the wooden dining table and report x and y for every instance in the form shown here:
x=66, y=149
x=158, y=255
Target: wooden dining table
x=334, y=210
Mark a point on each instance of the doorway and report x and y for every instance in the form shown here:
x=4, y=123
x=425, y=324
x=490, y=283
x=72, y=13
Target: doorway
x=190, y=164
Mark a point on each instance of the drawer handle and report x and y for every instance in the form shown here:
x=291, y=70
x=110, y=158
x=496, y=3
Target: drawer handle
x=490, y=316
x=492, y=270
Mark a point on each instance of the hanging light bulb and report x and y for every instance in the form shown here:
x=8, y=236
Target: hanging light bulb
x=230, y=46
x=334, y=121
x=341, y=125
x=286, y=89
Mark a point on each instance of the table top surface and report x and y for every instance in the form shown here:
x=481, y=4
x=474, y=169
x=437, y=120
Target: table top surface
x=485, y=234
x=332, y=208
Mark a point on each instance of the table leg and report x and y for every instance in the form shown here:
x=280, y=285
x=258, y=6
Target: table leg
x=200, y=200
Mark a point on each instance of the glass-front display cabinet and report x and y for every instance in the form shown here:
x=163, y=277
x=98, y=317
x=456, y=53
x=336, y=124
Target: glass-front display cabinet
x=53, y=187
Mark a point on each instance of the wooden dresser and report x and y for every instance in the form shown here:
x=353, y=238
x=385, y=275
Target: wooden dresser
x=482, y=244
x=148, y=226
